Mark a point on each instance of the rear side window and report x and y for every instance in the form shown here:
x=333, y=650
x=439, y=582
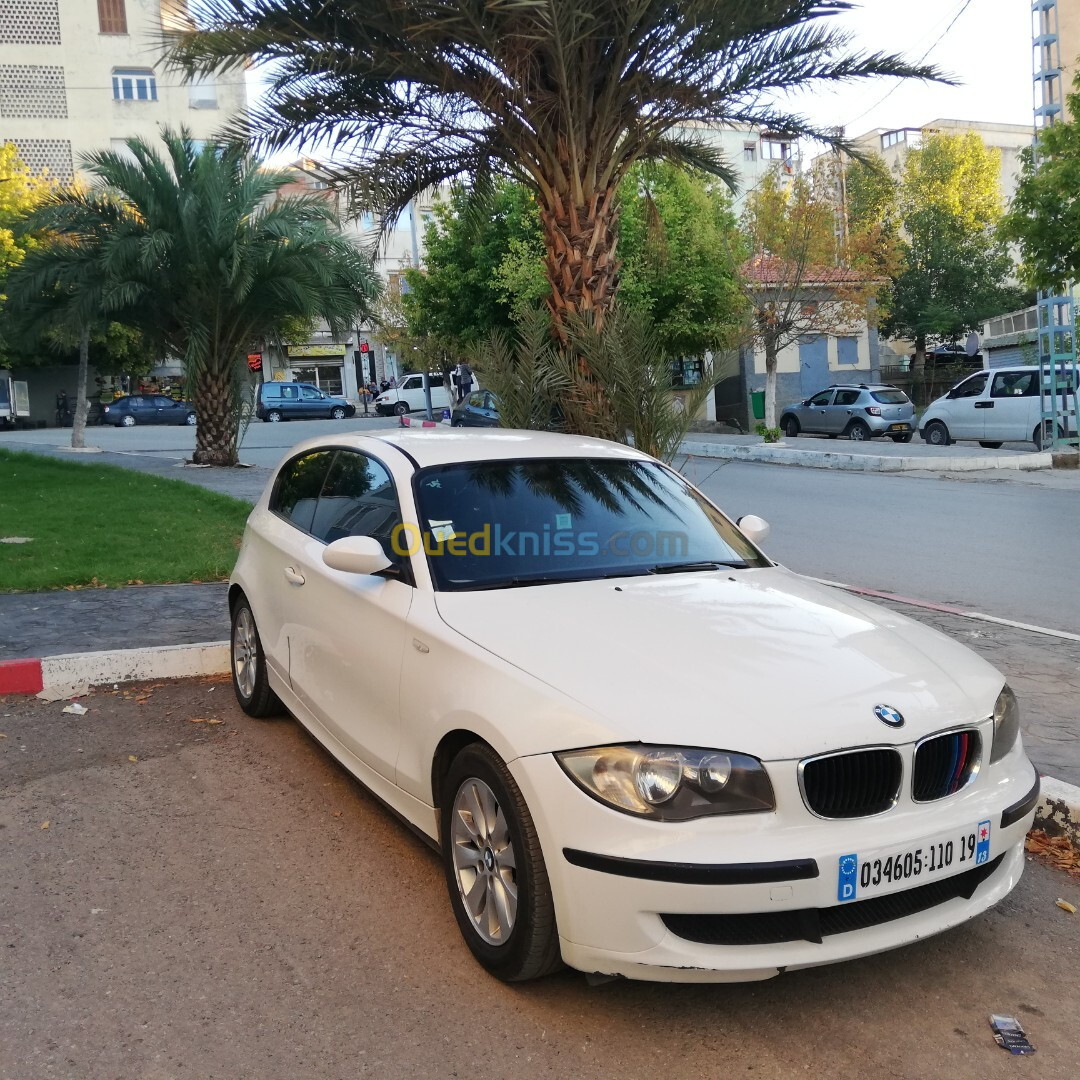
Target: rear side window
x=271, y=390
x=358, y=499
x=890, y=397
x=298, y=485
x=1015, y=384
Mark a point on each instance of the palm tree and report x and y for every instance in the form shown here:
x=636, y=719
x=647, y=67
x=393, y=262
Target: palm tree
x=192, y=247
x=564, y=95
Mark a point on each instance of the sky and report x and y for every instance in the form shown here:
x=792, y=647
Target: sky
x=987, y=49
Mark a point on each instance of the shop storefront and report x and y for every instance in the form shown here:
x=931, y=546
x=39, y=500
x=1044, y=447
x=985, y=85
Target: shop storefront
x=322, y=365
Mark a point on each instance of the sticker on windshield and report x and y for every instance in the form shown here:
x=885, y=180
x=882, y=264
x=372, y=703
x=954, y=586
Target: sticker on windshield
x=433, y=483
x=563, y=521
x=441, y=530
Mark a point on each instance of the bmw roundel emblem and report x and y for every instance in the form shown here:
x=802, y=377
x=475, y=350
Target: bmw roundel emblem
x=888, y=715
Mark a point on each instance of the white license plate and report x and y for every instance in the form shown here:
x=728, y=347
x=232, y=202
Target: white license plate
x=873, y=873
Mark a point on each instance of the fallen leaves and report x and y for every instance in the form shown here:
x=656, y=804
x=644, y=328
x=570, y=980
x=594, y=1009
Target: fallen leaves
x=204, y=720
x=132, y=758
x=45, y=824
x=1058, y=851
x=1066, y=906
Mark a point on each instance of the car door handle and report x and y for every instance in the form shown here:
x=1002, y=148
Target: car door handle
x=292, y=577
x=984, y=404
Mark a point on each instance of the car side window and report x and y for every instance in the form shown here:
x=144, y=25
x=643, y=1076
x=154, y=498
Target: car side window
x=822, y=399
x=290, y=393
x=296, y=492
x=163, y=402
x=309, y=393
x=972, y=387
x=1014, y=384
x=271, y=390
x=477, y=401
x=357, y=499
x=846, y=397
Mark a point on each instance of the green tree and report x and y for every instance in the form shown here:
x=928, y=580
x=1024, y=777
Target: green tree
x=20, y=192
x=681, y=252
x=955, y=268
x=565, y=97
x=189, y=247
x=1044, y=218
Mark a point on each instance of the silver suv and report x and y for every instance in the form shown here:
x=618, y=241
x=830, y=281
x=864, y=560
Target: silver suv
x=855, y=411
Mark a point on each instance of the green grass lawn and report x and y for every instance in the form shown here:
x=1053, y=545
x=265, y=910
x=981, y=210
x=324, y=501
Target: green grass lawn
x=95, y=525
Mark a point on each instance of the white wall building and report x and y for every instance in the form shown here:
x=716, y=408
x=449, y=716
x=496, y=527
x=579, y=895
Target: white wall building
x=84, y=75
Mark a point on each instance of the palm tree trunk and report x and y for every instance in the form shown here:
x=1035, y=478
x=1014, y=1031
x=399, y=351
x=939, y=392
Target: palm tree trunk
x=580, y=263
x=82, y=406
x=215, y=415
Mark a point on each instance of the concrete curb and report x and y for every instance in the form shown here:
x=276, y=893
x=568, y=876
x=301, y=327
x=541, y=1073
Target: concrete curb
x=59, y=676
x=779, y=454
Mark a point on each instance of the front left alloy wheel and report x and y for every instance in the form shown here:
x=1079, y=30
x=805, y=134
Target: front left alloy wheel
x=495, y=870
x=248, y=665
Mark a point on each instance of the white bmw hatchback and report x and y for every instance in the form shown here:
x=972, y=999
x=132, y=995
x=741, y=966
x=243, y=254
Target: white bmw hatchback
x=641, y=746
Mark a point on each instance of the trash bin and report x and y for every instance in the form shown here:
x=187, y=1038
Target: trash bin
x=757, y=402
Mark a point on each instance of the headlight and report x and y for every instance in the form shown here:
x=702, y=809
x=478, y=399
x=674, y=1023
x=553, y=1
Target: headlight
x=669, y=783
x=1006, y=724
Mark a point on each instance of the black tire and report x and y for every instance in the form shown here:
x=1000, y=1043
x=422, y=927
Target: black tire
x=337, y=413
x=126, y=421
x=990, y=445
x=901, y=438
x=273, y=416
x=857, y=431
x=401, y=408
x=1041, y=436
x=261, y=700
x=790, y=426
x=531, y=948
x=936, y=434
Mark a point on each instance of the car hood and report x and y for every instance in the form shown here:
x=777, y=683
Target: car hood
x=761, y=661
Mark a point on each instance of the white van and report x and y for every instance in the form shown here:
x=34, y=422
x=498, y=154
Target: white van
x=993, y=407
x=408, y=396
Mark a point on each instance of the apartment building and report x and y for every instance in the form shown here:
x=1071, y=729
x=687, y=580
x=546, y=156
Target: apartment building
x=84, y=75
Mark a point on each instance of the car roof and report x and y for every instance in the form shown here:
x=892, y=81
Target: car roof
x=443, y=445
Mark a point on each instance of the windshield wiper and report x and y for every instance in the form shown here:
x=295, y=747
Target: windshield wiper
x=692, y=567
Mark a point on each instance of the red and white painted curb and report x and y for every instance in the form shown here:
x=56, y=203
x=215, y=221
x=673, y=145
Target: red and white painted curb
x=408, y=421
x=57, y=676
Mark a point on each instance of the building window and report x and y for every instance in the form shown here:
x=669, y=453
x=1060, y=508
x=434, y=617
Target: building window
x=134, y=84
x=686, y=373
x=112, y=16
x=202, y=93
x=749, y=152
x=847, y=352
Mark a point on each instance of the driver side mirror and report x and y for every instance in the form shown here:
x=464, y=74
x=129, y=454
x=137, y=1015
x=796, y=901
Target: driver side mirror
x=754, y=528
x=806, y=402
x=356, y=555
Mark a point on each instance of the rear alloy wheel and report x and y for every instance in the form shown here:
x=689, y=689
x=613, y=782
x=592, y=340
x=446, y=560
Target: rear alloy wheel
x=936, y=434
x=248, y=665
x=858, y=431
x=990, y=445
x=273, y=417
x=495, y=870
x=401, y=408
x=190, y=419
x=337, y=413
x=906, y=437
x=790, y=426
x=127, y=421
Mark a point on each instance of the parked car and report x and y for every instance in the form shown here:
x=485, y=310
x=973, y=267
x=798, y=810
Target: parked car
x=992, y=407
x=855, y=411
x=408, y=396
x=299, y=401
x=146, y=409
x=479, y=409
x=642, y=747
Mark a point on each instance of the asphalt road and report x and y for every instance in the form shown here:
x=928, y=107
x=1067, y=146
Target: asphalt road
x=230, y=904
x=1002, y=546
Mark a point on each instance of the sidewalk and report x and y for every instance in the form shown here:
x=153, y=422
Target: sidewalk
x=876, y=455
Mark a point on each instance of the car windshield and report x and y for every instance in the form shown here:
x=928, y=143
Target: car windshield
x=890, y=397
x=502, y=524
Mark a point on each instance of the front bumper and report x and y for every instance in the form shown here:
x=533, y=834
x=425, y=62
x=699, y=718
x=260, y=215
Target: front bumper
x=783, y=863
